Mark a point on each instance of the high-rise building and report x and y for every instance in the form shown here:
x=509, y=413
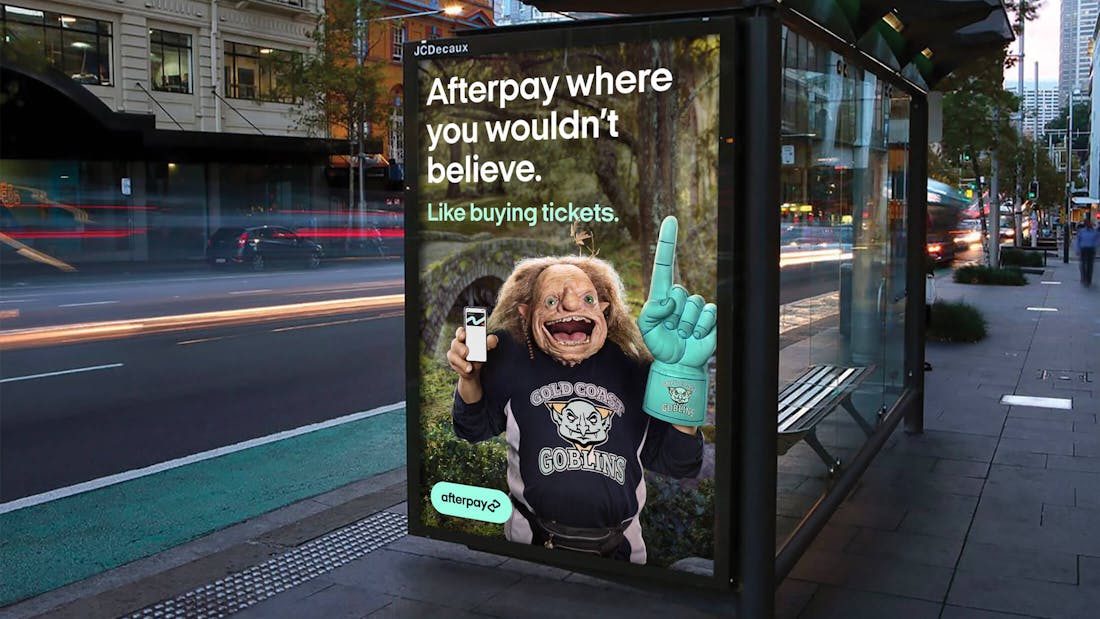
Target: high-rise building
x=510, y=12
x=1050, y=104
x=1078, y=22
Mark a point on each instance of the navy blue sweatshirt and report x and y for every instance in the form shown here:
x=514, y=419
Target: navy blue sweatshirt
x=577, y=437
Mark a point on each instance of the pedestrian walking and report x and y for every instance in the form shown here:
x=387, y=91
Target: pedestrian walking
x=1087, y=239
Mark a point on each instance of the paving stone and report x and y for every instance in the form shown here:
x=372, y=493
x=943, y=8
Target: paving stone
x=871, y=574
x=961, y=467
x=949, y=445
x=439, y=581
x=1021, y=595
x=869, y=515
x=1016, y=509
x=966, y=424
x=331, y=600
x=1027, y=484
x=1037, y=564
x=1062, y=446
x=1022, y=424
x=444, y=550
x=400, y=608
x=535, y=597
x=1009, y=457
x=834, y=602
x=834, y=536
x=950, y=522
x=1080, y=520
x=1089, y=571
x=527, y=568
x=906, y=547
x=792, y=597
x=1074, y=463
x=959, y=612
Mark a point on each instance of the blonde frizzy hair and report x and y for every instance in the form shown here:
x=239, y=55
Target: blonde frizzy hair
x=520, y=290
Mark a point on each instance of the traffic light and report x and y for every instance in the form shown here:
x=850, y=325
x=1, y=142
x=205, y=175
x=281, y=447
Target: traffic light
x=966, y=157
x=1033, y=190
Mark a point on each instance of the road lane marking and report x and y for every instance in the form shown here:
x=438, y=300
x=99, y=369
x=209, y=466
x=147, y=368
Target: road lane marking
x=1038, y=402
x=257, y=291
x=205, y=339
x=62, y=372
x=110, y=480
x=1052, y=283
x=89, y=303
x=16, y=300
x=338, y=322
x=94, y=331
x=1042, y=309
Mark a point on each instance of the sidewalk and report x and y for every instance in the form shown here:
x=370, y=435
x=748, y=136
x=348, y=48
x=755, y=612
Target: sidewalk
x=992, y=512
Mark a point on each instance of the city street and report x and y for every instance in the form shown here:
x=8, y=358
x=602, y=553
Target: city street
x=80, y=411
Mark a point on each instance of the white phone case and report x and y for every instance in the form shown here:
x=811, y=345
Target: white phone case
x=474, y=321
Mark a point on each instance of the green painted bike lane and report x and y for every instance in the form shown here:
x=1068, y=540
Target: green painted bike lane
x=53, y=544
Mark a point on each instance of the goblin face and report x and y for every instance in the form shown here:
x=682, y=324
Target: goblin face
x=566, y=315
x=582, y=424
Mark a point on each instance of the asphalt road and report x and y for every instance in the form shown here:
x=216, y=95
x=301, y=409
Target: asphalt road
x=32, y=303
x=153, y=398
x=145, y=399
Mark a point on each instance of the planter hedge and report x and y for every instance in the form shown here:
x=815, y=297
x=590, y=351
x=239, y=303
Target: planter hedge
x=956, y=322
x=988, y=276
x=1021, y=258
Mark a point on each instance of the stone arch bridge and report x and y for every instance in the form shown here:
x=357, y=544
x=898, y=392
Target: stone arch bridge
x=464, y=271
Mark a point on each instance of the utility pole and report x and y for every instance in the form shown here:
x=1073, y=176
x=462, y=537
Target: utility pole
x=1018, y=198
x=1035, y=165
x=1069, y=183
x=994, y=213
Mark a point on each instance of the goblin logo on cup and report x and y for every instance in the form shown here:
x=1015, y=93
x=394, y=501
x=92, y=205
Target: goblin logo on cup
x=431, y=49
x=680, y=395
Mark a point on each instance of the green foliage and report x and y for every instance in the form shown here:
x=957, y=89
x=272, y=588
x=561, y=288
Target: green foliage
x=989, y=276
x=678, y=520
x=332, y=91
x=1019, y=257
x=449, y=458
x=956, y=322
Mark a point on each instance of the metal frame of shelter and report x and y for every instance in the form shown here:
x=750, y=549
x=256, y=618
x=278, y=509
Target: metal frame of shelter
x=912, y=45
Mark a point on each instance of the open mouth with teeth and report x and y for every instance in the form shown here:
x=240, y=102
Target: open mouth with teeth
x=571, y=330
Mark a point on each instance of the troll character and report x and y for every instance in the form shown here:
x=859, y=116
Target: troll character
x=568, y=379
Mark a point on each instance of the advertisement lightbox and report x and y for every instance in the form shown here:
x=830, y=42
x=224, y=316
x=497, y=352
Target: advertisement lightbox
x=565, y=295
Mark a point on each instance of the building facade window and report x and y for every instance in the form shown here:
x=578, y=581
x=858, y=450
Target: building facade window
x=254, y=72
x=434, y=32
x=398, y=43
x=170, y=61
x=77, y=46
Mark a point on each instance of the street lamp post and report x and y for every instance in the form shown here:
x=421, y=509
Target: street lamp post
x=1069, y=181
x=360, y=59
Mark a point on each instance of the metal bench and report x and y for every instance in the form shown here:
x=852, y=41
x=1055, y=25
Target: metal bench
x=811, y=397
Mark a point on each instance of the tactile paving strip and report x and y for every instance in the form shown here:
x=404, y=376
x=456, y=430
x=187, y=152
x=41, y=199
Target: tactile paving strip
x=248, y=587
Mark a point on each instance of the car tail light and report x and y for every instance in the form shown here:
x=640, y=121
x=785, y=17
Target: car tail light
x=935, y=248
x=242, y=239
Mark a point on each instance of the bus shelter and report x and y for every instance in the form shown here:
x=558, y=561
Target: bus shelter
x=664, y=268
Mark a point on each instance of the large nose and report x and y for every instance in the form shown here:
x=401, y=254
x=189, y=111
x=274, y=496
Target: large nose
x=571, y=301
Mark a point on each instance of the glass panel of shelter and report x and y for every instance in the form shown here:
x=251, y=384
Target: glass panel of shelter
x=842, y=262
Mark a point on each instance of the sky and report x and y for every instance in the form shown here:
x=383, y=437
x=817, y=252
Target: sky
x=1041, y=44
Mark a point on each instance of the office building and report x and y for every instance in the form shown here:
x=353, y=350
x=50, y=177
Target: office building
x=1078, y=22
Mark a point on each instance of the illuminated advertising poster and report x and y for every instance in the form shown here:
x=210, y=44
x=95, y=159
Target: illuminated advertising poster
x=563, y=294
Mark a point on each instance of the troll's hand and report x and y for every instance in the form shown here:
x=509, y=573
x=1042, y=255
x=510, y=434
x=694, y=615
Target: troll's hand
x=679, y=331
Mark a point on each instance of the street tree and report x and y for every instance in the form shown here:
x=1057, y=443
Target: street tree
x=977, y=113
x=338, y=91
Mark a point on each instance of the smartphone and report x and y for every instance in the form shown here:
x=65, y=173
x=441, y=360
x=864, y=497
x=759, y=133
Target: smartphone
x=474, y=321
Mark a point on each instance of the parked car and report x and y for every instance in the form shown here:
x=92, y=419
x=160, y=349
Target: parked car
x=260, y=247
